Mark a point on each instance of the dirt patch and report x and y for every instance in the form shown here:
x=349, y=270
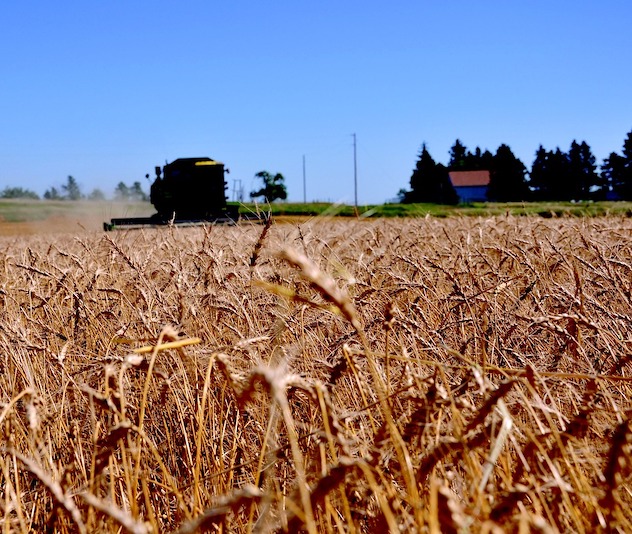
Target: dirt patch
x=51, y=225
x=60, y=224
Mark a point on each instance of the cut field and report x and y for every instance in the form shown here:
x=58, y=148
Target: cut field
x=415, y=375
x=37, y=217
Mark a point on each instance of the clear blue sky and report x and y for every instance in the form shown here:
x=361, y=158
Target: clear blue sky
x=104, y=91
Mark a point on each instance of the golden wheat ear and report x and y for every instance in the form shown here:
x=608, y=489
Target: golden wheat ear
x=430, y=374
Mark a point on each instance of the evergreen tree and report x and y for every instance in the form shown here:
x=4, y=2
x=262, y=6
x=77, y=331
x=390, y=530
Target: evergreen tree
x=473, y=160
x=616, y=171
x=611, y=172
x=560, y=179
x=430, y=182
x=625, y=183
x=444, y=190
x=486, y=161
x=538, y=176
x=565, y=176
x=72, y=190
x=551, y=177
x=627, y=148
x=582, y=171
x=507, y=177
x=424, y=169
x=458, y=157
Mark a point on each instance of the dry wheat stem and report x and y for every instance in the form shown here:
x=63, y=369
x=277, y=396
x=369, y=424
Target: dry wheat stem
x=497, y=399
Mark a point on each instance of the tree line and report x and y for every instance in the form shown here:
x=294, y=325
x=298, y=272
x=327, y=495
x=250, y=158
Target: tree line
x=273, y=189
x=71, y=190
x=555, y=175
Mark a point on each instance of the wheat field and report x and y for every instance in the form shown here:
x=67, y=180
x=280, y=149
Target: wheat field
x=420, y=375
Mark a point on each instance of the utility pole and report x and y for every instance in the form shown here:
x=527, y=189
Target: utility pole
x=237, y=190
x=355, y=172
x=304, y=183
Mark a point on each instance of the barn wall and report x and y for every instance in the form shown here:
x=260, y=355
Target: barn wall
x=472, y=193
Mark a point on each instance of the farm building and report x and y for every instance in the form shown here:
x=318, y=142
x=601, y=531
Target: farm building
x=470, y=186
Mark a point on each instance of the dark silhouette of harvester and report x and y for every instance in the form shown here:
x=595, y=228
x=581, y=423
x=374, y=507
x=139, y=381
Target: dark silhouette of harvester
x=186, y=191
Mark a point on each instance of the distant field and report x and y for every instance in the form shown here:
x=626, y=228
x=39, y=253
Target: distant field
x=461, y=374
x=39, y=216
x=31, y=217
x=542, y=209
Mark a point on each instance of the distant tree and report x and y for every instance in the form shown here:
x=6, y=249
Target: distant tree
x=538, y=174
x=624, y=188
x=444, y=191
x=96, y=194
x=583, y=172
x=486, y=161
x=612, y=175
x=462, y=159
x=560, y=179
x=507, y=177
x=121, y=192
x=458, y=157
x=402, y=196
x=273, y=187
x=473, y=161
x=71, y=189
x=18, y=192
x=551, y=177
x=557, y=175
x=611, y=170
x=136, y=193
x=430, y=182
x=52, y=194
x=423, y=173
x=616, y=171
x=627, y=147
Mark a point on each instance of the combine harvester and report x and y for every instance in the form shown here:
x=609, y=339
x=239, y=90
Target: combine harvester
x=187, y=191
